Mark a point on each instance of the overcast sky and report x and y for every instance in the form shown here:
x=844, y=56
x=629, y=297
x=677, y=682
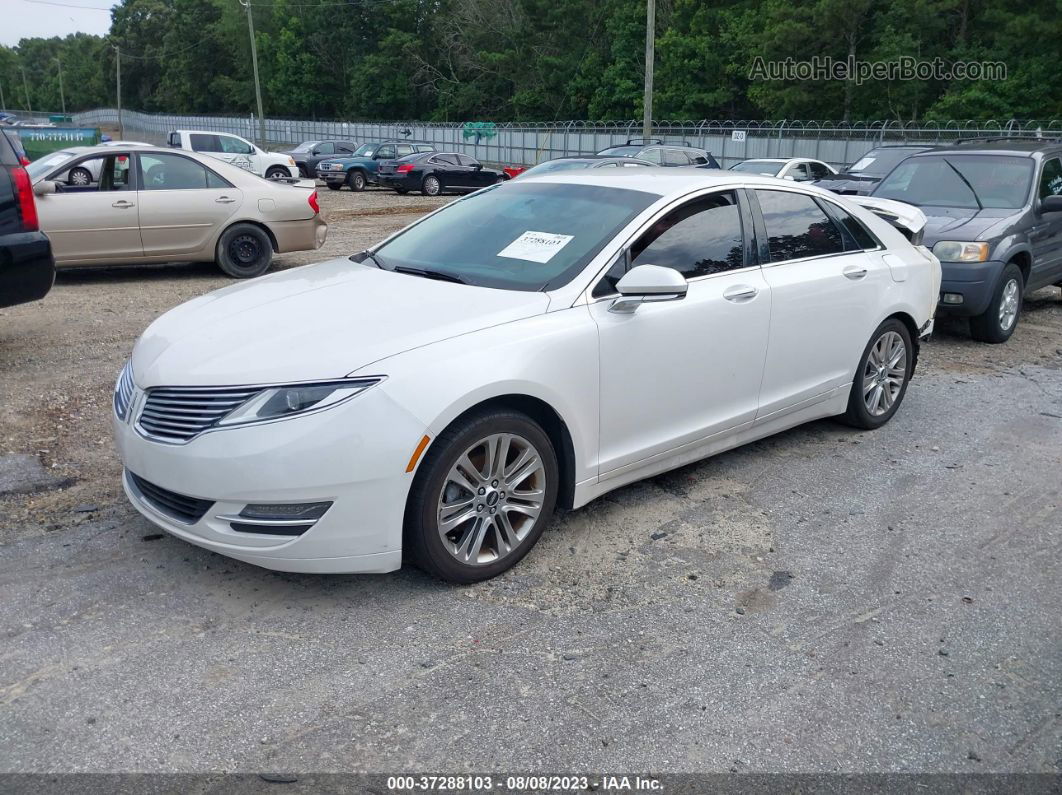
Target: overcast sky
x=24, y=19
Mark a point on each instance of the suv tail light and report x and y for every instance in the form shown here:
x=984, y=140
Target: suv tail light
x=27, y=206
x=405, y=168
x=313, y=203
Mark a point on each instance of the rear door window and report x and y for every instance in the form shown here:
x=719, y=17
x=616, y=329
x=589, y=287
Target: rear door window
x=797, y=227
x=173, y=172
x=675, y=157
x=203, y=142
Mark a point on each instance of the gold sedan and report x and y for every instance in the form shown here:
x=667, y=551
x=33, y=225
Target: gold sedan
x=146, y=204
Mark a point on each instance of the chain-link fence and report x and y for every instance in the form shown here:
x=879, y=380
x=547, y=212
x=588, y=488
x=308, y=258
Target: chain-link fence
x=515, y=143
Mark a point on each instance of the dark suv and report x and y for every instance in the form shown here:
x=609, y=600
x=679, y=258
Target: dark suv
x=660, y=154
x=360, y=168
x=860, y=178
x=27, y=268
x=994, y=209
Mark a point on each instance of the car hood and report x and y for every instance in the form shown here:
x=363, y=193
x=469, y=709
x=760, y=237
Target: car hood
x=346, y=161
x=318, y=322
x=957, y=223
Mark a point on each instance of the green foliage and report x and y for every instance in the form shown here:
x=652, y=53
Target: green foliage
x=473, y=60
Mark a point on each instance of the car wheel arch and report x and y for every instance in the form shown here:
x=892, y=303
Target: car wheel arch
x=912, y=328
x=252, y=222
x=547, y=417
x=1021, y=257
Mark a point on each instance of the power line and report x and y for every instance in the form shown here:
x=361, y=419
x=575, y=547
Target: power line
x=66, y=5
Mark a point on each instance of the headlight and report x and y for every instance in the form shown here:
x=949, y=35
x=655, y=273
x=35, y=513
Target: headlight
x=957, y=251
x=280, y=402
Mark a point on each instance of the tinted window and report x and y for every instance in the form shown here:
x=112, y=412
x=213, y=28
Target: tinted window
x=856, y=236
x=1051, y=178
x=700, y=238
x=796, y=226
x=675, y=157
x=520, y=236
x=960, y=181
x=405, y=149
x=468, y=161
x=173, y=172
x=799, y=172
x=305, y=146
x=449, y=160
x=204, y=143
x=234, y=146
x=700, y=160
x=326, y=148
x=344, y=149
x=818, y=170
x=425, y=148
x=386, y=152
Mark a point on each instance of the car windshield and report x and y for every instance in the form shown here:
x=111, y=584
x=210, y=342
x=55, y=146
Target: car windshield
x=305, y=146
x=765, y=167
x=517, y=236
x=38, y=168
x=937, y=181
x=556, y=165
x=879, y=162
x=622, y=151
x=365, y=150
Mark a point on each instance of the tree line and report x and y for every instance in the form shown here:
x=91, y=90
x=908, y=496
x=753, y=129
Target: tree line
x=540, y=60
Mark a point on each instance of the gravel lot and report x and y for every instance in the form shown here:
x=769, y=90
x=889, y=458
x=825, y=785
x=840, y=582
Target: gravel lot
x=825, y=600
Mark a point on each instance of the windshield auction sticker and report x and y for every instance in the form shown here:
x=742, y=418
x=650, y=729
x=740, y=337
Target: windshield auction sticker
x=535, y=246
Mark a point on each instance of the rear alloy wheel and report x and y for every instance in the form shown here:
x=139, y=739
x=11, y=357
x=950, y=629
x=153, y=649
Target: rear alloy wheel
x=79, y=176
x=998, y=322
x=431, y=186
x=882, y=377
x=244, y=251
x=482, y=497
x=356, y=180
x=276, y=172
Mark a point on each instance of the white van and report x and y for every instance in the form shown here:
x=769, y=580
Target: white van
x=236, y=150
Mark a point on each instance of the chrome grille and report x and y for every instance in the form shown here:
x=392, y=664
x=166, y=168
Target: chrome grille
x=123, y=391
x=179, y=414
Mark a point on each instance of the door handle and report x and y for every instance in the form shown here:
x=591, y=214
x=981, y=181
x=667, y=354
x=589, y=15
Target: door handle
x=122, y=204
x=854, y=272
x=740, y=294
x=224, y=200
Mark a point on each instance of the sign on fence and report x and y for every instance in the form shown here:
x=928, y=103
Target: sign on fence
x=737, y=135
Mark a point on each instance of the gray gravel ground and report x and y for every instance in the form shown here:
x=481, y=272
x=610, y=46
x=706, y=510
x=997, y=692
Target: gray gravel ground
x=825, y=600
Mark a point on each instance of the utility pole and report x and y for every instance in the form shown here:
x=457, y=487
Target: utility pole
x=3, y=105
x=650, y=54
x=62, y=96
x=257, y=83
x=25, y=87
x=118, y=70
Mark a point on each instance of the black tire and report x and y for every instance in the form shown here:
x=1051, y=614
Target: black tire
x=276, y=172
x=431, y=186
x=244, y=251
x=858, y=414
x=334, y=185
x=79, y=176
x=356, y=180
x=425, y=546
x=990, y=326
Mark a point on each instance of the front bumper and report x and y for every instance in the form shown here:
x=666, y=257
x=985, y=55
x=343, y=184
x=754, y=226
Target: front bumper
x=353, y=455
x=332, y=176
x=974, y=281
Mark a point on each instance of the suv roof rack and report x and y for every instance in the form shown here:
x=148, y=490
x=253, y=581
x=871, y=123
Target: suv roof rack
x=643, y=141
x=1023, y=138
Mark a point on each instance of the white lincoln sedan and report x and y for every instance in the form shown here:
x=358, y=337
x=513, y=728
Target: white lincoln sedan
x=527, y=347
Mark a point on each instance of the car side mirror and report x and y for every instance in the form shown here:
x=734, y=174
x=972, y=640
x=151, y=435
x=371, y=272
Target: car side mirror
x=1051, y=204
x=477, y=167
x=648, y=284
x=44, y=187
x=789, y=177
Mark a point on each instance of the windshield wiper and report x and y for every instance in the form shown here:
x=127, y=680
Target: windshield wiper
x=429, y=274
x=966, y=182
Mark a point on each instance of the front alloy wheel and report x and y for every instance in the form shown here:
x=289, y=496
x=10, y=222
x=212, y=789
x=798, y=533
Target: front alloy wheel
x=998, y=322
x=482, y=497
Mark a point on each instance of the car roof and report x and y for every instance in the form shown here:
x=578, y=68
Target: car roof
x=1019, y=148
x=667, y=182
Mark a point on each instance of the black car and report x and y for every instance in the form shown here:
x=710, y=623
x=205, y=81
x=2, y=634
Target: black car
x=994, y=220
x=309, y=153
x=27, y=268
x=659, y=153
x=860, y=178
x=433, y=173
